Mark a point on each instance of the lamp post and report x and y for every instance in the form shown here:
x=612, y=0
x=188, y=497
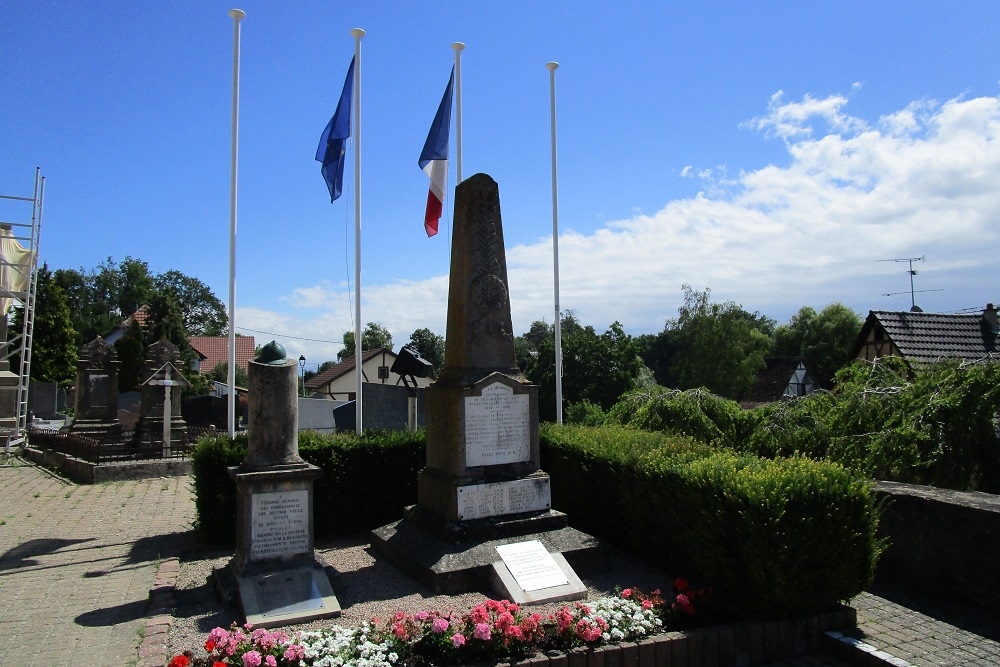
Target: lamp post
x=302, y=372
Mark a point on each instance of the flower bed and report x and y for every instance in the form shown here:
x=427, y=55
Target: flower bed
x=491, y=631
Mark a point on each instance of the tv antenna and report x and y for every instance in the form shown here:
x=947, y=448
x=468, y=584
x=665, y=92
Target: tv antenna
x=912, y=272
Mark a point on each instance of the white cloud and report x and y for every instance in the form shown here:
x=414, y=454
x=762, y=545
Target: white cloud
x=921, y=180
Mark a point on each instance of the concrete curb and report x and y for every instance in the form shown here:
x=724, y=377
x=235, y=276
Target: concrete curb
x=856, y=652
x=159, y=614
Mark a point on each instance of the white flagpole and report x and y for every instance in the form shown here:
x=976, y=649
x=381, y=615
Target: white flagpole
x=237, y=16
x=458, y=47
x=357, y=33
x=552, y=67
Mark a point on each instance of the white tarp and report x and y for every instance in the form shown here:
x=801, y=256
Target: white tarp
x=15, y=266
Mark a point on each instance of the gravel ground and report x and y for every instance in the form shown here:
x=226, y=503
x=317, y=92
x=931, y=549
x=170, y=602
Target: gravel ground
x=368, y=588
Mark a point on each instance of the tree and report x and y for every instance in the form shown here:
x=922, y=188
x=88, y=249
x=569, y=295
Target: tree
x=221, y=374
x=823, y=339
x=374, y=337
x=596, y=367
x=721, y=346
x=53, y=343
x=203, y=313
x=430, y=346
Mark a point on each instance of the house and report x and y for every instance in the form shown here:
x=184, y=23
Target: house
x=923, y=338
x=339, y=382
x=781, y=377
x=215, y=349
x=140, y=316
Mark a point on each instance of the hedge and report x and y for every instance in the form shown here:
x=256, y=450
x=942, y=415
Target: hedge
x=776, y=538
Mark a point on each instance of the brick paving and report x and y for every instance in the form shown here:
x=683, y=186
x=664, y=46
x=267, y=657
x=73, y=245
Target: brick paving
x=77, y=563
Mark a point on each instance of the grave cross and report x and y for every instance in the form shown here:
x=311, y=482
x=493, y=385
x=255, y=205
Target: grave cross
x=163, y=377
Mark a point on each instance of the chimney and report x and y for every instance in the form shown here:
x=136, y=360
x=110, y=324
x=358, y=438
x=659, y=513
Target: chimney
x=990, y=319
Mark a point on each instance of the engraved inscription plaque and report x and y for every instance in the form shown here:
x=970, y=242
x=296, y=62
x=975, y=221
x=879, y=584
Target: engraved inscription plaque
x=280, y=524
x=531, y=565
x=286, y=593
x=498, y=498
x=97, y=391
x=497, y=427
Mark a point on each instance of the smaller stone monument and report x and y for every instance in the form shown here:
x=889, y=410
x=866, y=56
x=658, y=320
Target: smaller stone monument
x=97, y=393
x=161, y=425
x=279, y=579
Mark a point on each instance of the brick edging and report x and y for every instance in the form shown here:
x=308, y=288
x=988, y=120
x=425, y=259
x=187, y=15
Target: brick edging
x=159, y=614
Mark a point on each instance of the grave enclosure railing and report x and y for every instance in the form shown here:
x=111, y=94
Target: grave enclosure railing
x=130, y=448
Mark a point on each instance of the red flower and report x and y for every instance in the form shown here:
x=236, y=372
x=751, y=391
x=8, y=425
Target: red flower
x=627, y=593
x=219, y=663
x=680, y=584
x=180, y=660
x=209, y=646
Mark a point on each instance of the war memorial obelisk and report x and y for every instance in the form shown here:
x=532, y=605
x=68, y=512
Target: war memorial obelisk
x=482, y=486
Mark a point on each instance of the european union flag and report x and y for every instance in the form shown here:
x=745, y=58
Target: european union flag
x=333, y=141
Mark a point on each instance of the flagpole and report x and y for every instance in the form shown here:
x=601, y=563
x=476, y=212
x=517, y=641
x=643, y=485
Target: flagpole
x=237, y=16
x=357, y=33
x=458, y=47
x=552, y=67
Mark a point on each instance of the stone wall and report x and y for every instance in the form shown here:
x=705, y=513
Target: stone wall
x=942, y=542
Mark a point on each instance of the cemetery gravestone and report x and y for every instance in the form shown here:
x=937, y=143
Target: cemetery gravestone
x=96, y=413
x=161, y=424
x=482, y=485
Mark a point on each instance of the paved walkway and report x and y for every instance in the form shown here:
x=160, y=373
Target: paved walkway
x=77, y=563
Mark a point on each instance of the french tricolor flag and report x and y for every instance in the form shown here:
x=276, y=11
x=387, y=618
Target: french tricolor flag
x=434, y=159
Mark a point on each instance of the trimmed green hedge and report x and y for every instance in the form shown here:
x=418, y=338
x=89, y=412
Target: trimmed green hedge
x=776, y=538
x=366, y=482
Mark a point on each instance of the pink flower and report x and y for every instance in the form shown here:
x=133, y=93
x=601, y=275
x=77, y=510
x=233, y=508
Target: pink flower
x=480, y=614
x=294, y=652
x=457, y=640
x=421, y=616
x=627, y=593
x=564, y=619
x=399, y=630
x=514, y=632
x=647, y=604
x=482, y=631
x=251, y=658
x=270, y=661
x=504, y=620
x=439, y=626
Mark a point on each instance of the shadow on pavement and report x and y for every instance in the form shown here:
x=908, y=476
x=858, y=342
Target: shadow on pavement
x=977, y=620
x=24, y=554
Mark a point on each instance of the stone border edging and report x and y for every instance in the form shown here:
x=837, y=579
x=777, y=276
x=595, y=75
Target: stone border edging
x=159, y=614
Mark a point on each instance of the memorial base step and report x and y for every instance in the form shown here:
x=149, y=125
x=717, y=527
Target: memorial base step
x=450, y=567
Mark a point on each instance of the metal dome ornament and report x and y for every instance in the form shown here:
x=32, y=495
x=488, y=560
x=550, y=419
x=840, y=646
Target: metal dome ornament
x=272, y=354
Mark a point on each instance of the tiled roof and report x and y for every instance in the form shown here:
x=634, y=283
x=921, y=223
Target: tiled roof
x=216, y=349
x=929, y=337
x=344, y=367
x=773, y=379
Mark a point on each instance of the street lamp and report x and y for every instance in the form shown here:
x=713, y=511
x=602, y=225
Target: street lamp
x=302, y=372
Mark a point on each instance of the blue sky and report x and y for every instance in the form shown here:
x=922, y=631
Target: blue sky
x=772, y=152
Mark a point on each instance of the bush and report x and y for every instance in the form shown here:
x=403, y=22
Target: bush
x=367, y=480
x=778, y=538
x=695, y=413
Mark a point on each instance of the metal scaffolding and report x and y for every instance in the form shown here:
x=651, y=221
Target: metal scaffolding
x=18, y=284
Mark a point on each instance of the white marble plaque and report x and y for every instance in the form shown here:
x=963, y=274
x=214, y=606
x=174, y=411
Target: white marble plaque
x=497, y=427
x=498, y=498
x=286, y=593
x=531, y=565
x=280, y=524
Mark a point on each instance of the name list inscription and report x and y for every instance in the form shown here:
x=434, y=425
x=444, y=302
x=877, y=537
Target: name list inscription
x=498, y=498
x=497, y=427
x=280, y=524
